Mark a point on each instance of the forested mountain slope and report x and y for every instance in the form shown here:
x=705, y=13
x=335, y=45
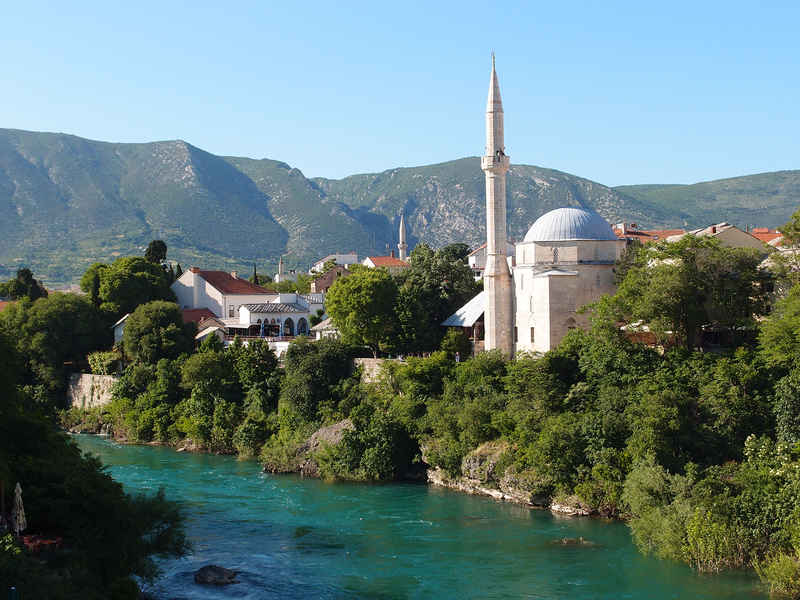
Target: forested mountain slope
x=66, y=202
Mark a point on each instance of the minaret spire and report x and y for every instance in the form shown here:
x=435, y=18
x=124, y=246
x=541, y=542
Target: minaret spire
x=498, y=317
x=402, y=246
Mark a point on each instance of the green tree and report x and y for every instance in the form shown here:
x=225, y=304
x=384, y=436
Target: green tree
x=435, y=286
x=316, y=318
x=312, y=373
x=456, y=343
x=71, y=494
x=787, y=408
x=677, y=288
x=156, y=252
x=94, y=290
x=23, y=286
x=93, y=274
x=787, y=264
x=779, y=337
x=327, y=266
x=54, y=336
x=156, y=330
x=362, y=307
x=127, y=283
x=256, y=366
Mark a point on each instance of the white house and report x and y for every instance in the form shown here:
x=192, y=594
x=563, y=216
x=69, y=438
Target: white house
x=390, y=263
x=477, y=259
x=219, y=291
x=324, y=329
x=350, y=258
x=286, y=315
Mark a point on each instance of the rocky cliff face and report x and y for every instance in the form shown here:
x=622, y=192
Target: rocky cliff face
x=87, y=391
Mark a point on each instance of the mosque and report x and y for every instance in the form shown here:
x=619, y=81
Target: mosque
x=565, y=261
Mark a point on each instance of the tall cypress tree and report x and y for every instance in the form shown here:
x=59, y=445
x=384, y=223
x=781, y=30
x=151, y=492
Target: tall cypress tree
x=94, y=292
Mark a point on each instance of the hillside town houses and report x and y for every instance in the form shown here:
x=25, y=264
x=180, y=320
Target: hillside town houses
x=224, y=304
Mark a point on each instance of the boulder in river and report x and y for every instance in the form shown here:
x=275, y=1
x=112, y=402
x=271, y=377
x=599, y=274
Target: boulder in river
x=214, y=575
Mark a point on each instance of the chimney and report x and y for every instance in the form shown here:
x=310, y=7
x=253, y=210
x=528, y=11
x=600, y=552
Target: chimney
x=391, y=253
x=713, y=229
x=234, y=274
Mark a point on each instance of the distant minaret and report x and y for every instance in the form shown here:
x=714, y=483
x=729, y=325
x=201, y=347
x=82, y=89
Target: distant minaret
x=402, y=246
x=498, y=317
x=279, y=278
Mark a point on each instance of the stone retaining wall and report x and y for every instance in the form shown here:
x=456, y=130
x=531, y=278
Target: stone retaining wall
x=371, y=367
x=87, y=391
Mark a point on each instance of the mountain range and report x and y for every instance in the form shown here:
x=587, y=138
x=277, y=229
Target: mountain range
x=66, y=202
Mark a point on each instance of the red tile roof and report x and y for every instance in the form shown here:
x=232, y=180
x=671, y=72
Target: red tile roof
x=195, y=315
x=387, y=261
x=5, y=304
x=227, y=284
x=648, y=235
x=765, y=234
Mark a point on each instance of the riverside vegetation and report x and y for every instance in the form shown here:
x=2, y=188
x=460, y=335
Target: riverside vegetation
x=108, y=535
x=699, y=450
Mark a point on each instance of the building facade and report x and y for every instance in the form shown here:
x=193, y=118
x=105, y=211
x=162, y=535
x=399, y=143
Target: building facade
x=566, y=260
x=219, y=291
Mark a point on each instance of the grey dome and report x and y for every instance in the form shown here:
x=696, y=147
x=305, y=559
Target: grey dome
x=570, y=224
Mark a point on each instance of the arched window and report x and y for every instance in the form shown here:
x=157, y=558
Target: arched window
x=302, y=326
x=570, y=323
x=288, y=327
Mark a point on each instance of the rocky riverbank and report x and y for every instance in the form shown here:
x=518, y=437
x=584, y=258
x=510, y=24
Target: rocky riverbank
x=481, y=476
x=480, y=470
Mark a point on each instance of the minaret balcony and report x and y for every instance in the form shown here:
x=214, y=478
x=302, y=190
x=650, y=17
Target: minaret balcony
x=496, y=162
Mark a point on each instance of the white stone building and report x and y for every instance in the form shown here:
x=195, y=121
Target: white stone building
x=285, y=315
x=325, y=329
x=565, y=261
x=390, y=263
x=219, y=291
x=349, y=258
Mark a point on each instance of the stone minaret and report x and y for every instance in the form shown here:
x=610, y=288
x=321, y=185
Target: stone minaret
x=498, y=317
x=402, y=246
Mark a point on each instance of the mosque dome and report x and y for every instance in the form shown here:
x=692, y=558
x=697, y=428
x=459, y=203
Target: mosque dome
x=570, y=224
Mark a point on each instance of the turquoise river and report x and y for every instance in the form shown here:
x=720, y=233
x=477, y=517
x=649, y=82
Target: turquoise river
x=299, y=538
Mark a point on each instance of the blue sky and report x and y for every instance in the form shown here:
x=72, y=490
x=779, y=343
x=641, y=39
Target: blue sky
x=615, y=92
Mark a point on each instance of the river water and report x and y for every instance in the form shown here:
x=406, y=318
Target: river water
x=299, y=538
